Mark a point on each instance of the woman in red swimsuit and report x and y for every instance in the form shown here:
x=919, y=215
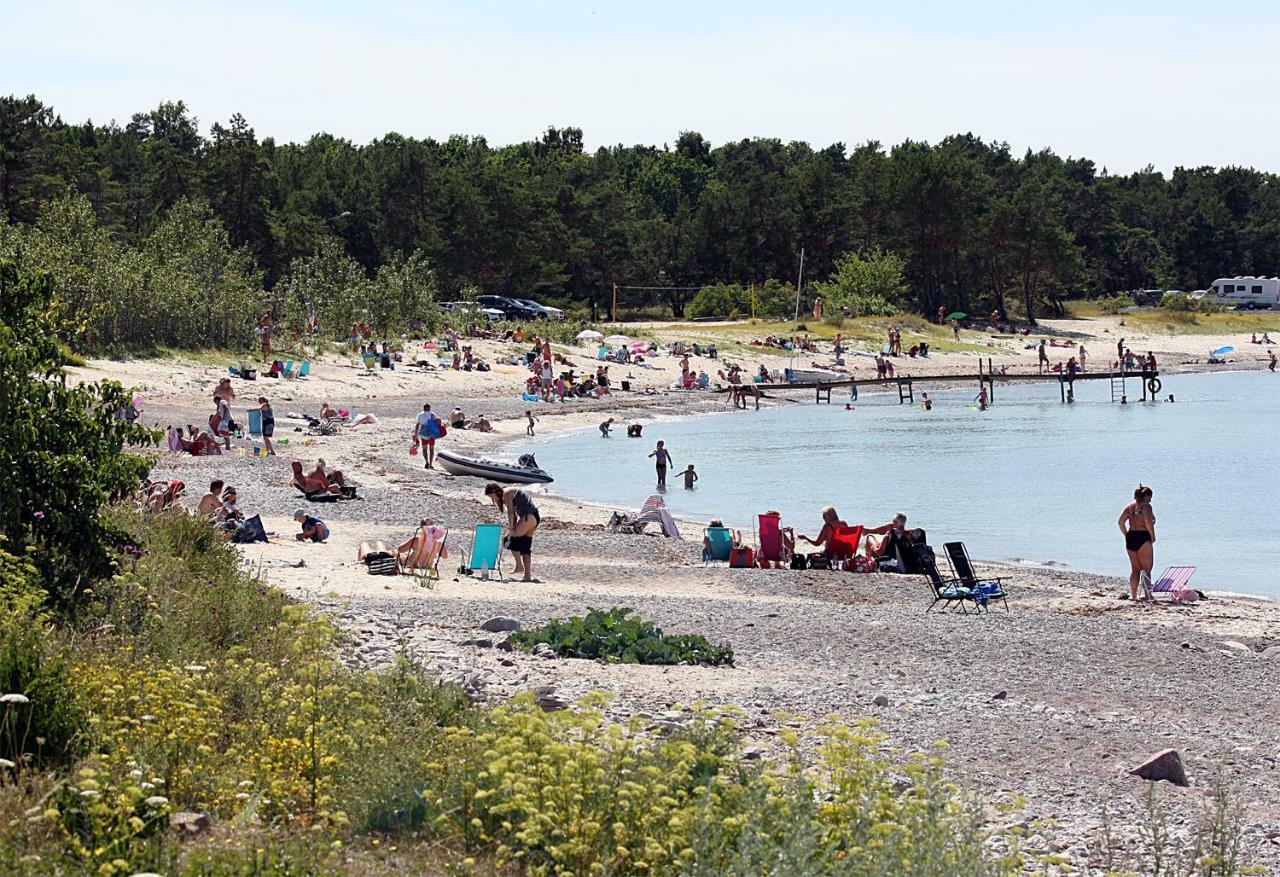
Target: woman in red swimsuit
x=1138, y=524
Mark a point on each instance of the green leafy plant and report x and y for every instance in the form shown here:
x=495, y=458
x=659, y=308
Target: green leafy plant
x=614, y=636
x=60, y=445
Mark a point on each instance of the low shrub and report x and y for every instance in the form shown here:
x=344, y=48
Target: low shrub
x=1114, y=304
x=39, y=718
x=614, y=637
x=1182, y=303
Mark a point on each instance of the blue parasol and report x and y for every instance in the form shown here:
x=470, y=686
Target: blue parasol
x=1222, y=350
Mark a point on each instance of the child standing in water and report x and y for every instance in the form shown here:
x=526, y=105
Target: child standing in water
x=528, y=430
x=661, y=459
x=689, y=477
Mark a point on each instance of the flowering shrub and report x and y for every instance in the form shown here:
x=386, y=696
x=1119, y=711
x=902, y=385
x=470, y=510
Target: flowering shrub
x=615, y=637
x=111, y=825
x=565, y=793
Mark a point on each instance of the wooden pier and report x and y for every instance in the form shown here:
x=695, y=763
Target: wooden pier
x=1148, y=380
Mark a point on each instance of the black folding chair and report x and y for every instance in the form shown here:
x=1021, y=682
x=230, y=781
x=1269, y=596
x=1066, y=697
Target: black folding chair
x=946, y=591
x=984, y=589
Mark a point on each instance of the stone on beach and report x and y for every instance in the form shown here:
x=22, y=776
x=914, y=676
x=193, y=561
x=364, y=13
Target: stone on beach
x=500, y=624
x=1166, y=765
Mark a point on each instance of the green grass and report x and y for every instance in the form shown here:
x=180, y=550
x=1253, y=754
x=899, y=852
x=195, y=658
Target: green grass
x=1183, y=322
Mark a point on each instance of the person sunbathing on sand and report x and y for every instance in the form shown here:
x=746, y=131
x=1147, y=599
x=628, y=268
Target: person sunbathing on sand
x=830, y=520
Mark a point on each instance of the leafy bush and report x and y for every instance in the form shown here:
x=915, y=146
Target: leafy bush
x=871, y=285
x=1183, y=303
x=614, y=637
x=1114, y=304
x=724, y=300
x=60, y=446
x=39, y=717
x=771, y=299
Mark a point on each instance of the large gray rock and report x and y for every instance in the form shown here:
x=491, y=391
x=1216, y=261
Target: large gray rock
x=500, y=624
x=1166, y=765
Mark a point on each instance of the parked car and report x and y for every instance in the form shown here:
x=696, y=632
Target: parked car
x=509, y=307
x=546, y=311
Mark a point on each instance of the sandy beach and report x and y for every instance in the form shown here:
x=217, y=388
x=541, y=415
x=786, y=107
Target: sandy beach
x=1053, y=701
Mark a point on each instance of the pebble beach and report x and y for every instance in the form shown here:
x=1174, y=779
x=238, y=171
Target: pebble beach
x=1047, y=706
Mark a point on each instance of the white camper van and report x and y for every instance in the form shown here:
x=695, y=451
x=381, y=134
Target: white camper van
x=1245, y=292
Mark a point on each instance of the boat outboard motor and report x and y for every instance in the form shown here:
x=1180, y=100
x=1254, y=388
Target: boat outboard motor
x=528, y=462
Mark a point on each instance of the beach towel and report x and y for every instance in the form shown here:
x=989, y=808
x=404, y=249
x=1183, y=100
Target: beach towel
x=175, y=440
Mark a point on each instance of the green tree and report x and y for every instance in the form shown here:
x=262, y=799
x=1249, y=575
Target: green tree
x=61, y=445
x=201, y=291
x=867, y=285
x=403, y=295
x=329, y=286
x=25, y=125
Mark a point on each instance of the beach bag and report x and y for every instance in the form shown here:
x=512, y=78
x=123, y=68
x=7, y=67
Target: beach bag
x=799, y=561
x=742, y=558
x=381, y=563
x=442, y=429
x=819, y=561
x=250, y=531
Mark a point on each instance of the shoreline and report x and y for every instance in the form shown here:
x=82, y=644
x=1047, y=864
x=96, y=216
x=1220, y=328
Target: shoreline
x=557, y=428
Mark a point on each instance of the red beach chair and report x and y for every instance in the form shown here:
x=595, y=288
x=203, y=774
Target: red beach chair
x=769, y=538
x=843, y=543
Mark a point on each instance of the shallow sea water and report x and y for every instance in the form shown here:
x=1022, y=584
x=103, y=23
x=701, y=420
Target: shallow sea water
x=1030, y=479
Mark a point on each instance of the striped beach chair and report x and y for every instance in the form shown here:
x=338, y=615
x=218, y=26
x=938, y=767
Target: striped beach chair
x=1173, y=581
x=654, y=511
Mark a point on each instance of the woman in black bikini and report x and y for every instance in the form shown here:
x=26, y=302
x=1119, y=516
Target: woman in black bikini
x=1138, y=524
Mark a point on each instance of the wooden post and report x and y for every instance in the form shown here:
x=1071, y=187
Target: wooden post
x=613, y=309
x=753, y=301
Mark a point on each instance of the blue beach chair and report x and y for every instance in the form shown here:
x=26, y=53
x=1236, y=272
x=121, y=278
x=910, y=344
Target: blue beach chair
x=721, y=544
x=288, y=370
x=486, y=548
x=304, y=370
x=255, y=422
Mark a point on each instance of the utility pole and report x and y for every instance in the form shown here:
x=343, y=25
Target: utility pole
x=613, y=310
x=799, y=285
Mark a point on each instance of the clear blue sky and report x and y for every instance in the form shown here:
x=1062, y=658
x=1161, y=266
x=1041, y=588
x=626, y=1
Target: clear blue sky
x=1125, y=83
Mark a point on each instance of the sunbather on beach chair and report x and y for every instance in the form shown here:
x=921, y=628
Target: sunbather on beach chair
x=717, y=544
x=423, y=550
x=318, y=483
x=776, y=543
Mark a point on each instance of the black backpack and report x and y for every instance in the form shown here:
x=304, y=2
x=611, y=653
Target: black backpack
x=799, y=561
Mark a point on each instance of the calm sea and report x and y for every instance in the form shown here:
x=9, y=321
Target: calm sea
x=1029, y=480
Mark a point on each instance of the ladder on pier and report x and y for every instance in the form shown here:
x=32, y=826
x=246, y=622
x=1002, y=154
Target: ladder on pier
x=905, y=392
x=1117, y=386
